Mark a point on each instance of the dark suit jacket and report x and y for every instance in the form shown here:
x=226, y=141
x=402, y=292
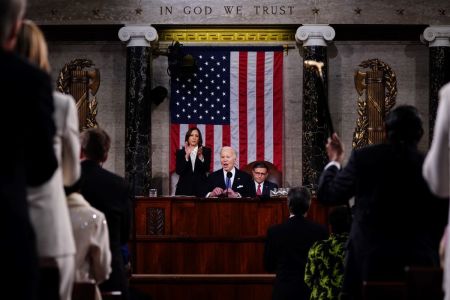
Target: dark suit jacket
x=192, y=183
x=397, y=222
x=241, y=184
x=285, y=253
x=267, y=187
x=27, y=158
x=110, y=194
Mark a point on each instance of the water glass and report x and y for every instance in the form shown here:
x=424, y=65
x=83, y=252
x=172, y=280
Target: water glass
x=153, y=193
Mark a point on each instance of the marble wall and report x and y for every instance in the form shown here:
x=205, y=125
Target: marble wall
x=409, y=60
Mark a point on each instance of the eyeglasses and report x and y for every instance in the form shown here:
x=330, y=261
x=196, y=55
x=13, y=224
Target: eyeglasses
x=259, y=173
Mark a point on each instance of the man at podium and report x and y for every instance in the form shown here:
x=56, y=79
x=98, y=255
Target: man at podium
x=229, y=181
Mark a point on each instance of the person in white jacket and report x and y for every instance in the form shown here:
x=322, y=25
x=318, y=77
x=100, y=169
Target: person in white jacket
x=47, y=203
x=90, y=230
x=436, y=167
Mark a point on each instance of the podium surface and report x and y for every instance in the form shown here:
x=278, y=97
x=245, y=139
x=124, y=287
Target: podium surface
x=188, y=235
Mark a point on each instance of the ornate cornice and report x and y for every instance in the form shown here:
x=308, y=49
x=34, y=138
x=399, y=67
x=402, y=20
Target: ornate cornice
x=138, y=35
x=437, y=36
x=315, y=35
x=227, y=35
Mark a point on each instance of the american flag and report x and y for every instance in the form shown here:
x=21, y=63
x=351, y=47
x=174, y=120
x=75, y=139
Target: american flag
x=235, y=98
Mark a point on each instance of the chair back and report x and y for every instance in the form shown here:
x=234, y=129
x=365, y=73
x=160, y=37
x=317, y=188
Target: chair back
x=83, y=291
x=424, y=283
x=275, y=175
x=384, y=290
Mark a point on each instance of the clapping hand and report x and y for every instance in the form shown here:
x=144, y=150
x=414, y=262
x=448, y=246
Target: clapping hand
x=200, y=153
x=335, y=148
x=187, y=149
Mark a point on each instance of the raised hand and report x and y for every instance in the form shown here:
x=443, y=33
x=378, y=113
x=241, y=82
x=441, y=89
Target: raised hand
x=200, y=153
x=335, y=148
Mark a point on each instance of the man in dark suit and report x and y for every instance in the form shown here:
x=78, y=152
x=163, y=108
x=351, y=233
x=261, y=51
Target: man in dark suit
x=27, y=155
x=396, y=219
x=287, y=245
x=110, y=194
x=229, y=181
x=261, y=187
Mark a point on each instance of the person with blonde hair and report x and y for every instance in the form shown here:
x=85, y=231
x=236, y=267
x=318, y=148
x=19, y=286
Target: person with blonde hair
x=47, y=203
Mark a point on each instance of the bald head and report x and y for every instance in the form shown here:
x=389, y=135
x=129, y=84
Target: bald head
x=227, y=158
x=11, y=14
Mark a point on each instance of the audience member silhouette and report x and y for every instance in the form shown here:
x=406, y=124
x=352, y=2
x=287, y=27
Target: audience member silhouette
x=287, y=245
x=324, y=273
x=110, y=194
x=436, y=168
x=395, y=222
x=48, y=207
x=27, y=156
x=90, y=230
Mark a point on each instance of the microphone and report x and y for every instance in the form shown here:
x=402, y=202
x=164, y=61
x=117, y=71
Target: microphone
x=229, y=175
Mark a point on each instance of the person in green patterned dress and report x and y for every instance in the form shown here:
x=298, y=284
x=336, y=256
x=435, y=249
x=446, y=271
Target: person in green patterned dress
x=324, y=272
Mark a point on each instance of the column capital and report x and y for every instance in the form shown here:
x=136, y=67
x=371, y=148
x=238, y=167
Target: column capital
x=138, y=35
x=315, y=34
x=437, y=36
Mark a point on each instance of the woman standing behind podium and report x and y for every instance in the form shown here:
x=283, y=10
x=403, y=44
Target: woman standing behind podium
x=192, y=165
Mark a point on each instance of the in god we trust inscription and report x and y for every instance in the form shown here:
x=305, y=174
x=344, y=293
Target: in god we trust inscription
x=240, y=10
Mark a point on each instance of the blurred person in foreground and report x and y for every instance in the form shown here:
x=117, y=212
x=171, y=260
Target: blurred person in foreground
x=436, y=170
x=397, y=222
x=48, y=206
x=27, y=157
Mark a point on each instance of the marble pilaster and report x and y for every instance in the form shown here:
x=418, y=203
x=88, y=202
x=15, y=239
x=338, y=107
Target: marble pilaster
x=137, y=120
x=438, y=38
x=315, y=126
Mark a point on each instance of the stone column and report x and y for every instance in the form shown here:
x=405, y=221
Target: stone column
x=137, y=120
x=315, y=101
x=438, y=38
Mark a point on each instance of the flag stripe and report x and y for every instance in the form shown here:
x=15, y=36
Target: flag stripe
x=236, y=99
x=174, y=144
x=260, y=107
x=251, y=108
x=278, y=110
x=243, y=60
x=268, y=107
x=218, y=140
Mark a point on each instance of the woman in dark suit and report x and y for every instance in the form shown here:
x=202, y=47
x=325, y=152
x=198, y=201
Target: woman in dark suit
x=193, y=162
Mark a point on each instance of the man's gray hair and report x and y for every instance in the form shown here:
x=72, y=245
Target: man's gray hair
x=10, y=12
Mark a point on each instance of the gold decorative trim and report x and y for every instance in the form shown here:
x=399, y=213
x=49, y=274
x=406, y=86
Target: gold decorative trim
x=227, y=35
x=389, y=81
x=83, y=85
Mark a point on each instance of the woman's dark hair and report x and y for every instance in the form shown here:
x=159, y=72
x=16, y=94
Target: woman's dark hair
x=404, y=125
x=188, y=134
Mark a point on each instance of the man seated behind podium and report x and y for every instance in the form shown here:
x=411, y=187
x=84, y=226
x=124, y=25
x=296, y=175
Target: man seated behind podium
x=229, y=181
x=261, y=187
